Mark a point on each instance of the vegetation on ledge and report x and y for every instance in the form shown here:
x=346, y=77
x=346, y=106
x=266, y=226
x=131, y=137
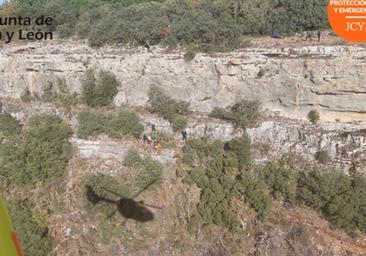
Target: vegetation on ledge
x=39, y=154
x=119, y=125
x=166, y=107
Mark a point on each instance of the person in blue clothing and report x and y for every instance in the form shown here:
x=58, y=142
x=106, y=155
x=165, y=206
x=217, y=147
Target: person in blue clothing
x=184, y=135
x=277, y=36
x=144, y=138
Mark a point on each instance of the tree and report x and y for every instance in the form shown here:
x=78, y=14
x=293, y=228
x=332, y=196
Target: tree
x=314, y=116
x=100, y=91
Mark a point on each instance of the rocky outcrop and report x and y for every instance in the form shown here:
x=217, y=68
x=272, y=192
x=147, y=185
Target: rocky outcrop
x=345, y=144
x=288, y=80
x=106, y=148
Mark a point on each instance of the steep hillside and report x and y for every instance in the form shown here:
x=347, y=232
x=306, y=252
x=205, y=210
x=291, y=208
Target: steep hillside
x=251, y=184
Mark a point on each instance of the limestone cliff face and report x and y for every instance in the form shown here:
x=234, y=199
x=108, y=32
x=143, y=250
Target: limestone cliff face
x=289, y=80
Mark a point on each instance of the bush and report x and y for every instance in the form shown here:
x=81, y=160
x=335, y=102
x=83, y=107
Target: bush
x=166, y=140
x=241, y=148
x=9, y=125
x=189, y=56
x=123, y=124
x=281, y=179
x=179, y=123
x=100, y=91
x=202, y=151
x=49, y=93
x=41, y=154
x=216, y=172
x=208, y=25
x=219, y=113
x=26, y=96
x=314, y=116
x=168, y=108
x=132, y=159
x=241, y=115
x=91, y=124
x=33, y=236
x=116, y=126
x=100, y=183
x=64, y=97
x=256, y=195
x=147, y=170
x=323, y=157
x=339, y=197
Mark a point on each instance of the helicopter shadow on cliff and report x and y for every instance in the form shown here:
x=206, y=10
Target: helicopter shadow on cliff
x=127, y=207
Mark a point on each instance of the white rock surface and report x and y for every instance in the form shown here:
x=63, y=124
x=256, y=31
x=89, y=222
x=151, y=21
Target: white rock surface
x=345, y=145
x=104, y=149
x=289, y=80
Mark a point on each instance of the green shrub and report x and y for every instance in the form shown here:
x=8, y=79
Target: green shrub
x=202, y=151
x=219, y=113
x=189, y=56
x=147, y=170
x=11, y=161
x=208, y=25
x=215, y=169
x=100, y=91
x=49, y=93
x=241, y=115
x=33, y=236
x=8, y=125
x=179, y=123
x=123, y=124
x=256, y=195
x=241, y=148
x=339, y=197
x=166, y=140
x=314, y=116
x=204, y=26
x=281, y=179
x=26, y=96
x=100, y=184
x=132, y=159
x=64, y=97
x=91, y=124
x=168, y=108
x=41, y=154
x=116, y=126
x=323, y=157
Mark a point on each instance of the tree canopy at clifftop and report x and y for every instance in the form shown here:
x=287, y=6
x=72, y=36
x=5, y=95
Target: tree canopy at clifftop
x=203, y=24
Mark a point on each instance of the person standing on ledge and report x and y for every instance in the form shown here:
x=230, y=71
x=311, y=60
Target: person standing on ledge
x=319, y=35
x=309, y=35
x=184, y=135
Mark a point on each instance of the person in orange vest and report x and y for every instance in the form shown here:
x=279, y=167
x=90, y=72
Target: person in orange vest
x=157, y=147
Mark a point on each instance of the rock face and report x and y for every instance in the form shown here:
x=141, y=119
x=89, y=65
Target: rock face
x=291, y=81
x=345, y=144
x=106, y=148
